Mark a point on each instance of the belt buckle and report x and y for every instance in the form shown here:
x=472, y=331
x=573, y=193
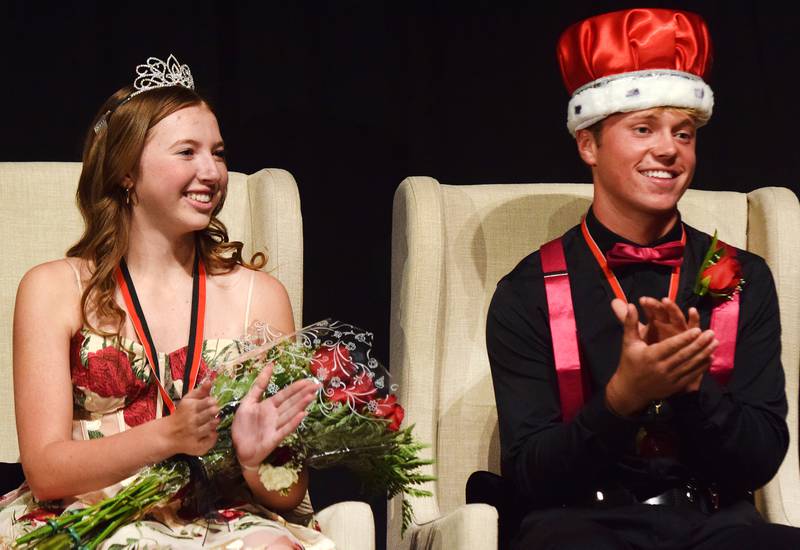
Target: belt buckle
x=705, y=497
x=662, y=499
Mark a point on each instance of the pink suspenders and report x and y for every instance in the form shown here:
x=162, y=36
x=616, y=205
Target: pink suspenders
x=724, y=320
x=562, y=328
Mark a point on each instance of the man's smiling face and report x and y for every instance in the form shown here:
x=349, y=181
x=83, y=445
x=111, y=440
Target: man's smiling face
x=643, y=161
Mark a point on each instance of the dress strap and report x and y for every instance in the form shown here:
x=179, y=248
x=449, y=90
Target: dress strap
x=77, y=275
x=249, y=299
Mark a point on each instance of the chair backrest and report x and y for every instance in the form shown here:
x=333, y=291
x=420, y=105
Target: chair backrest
x=40, y=220
x=450, y=246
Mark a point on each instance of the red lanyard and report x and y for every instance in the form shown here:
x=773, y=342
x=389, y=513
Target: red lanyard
x=674, y=278
x=195, y=345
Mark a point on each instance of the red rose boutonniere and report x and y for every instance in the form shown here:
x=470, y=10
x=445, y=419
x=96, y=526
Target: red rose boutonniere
x=720, y=273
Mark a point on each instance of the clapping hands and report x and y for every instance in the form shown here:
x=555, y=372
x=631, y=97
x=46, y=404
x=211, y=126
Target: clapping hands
x=666, y=356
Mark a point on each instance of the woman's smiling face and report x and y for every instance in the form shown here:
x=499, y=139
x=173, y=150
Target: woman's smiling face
x=182, y=174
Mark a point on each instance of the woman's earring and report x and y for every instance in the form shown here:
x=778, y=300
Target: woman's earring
x=128, y=196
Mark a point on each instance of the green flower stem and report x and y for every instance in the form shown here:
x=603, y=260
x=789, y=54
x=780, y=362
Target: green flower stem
x=104, y=534
x=61, y=540
x=61, y=521
x=136, y=499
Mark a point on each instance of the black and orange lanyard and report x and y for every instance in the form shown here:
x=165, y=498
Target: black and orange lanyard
x=195, y=345
x=674, y=278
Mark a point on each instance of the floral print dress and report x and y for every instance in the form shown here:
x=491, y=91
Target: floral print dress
x=113, y=391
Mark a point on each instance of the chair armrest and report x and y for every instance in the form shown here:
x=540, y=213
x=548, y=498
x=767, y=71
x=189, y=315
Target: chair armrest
x=472, y=526
x=349, y=525
x=773, y=226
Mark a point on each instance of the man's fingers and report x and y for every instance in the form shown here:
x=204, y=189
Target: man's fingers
x=698, y=362
x=694, y=318
x=673, y=344
x=673, y=314
x=653, y=310
x=620, y=309
x=631, y=325
x=684, y=353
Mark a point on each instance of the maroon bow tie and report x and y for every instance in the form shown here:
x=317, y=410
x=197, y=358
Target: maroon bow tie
x=670, y=254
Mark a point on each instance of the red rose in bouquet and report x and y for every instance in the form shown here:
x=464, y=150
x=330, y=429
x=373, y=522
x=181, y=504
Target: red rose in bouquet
x=390, y=409
x=360, y=390
x=331, y=362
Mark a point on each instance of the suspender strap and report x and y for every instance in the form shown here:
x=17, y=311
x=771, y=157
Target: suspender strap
x=562, y=328
x=724, y=321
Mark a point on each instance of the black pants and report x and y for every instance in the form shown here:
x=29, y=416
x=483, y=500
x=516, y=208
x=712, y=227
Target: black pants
x=645, y=527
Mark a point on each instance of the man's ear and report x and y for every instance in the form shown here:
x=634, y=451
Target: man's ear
x=587, y=146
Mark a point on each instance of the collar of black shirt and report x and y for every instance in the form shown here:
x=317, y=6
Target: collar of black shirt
x=606, y=239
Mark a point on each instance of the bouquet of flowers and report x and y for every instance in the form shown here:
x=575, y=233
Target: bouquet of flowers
x=353, y=422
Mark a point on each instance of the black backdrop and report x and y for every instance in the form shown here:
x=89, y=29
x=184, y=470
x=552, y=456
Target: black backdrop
x=352, y=96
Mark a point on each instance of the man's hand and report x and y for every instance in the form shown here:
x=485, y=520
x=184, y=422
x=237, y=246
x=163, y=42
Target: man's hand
x=649, y=371
x=665, y=318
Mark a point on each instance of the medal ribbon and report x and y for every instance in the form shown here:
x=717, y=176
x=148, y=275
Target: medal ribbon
x=674, y=278
x=195, y=345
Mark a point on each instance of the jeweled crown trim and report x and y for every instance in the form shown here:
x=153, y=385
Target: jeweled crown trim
x=153, y=74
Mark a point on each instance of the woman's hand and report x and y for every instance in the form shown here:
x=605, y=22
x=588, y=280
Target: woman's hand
x=193, y=425
x=261, y=424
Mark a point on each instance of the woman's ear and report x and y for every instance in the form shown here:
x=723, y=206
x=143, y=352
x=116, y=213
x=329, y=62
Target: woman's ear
x=587, y=146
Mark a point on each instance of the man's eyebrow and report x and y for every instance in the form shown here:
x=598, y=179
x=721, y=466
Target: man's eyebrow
x=644, y=117
x=650, y=117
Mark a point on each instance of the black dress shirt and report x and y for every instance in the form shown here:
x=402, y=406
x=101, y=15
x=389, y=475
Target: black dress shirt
x=733, y=437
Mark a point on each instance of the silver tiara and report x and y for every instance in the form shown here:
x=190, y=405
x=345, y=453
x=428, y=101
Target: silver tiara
x=149, y=76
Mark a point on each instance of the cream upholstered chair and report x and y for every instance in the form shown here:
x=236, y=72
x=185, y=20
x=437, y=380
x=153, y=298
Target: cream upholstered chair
x=39, y=220
x=450, y=246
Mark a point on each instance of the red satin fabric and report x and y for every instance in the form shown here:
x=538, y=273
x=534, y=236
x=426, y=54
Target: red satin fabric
x=724, y=320
x=670, y=254
x=563, y=329
x=634, y=40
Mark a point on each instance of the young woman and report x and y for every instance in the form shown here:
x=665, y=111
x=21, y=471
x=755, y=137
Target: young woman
x=94, y=381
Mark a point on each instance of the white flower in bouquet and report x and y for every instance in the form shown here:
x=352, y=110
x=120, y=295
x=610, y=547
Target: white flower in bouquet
x=277, y=478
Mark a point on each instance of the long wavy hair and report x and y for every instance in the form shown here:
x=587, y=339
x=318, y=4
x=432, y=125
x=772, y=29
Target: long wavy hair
x=109, y=155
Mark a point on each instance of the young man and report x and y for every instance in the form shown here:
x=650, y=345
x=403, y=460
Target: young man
x=635, y=426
